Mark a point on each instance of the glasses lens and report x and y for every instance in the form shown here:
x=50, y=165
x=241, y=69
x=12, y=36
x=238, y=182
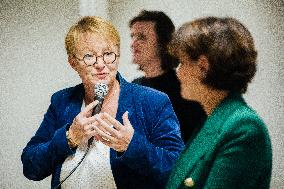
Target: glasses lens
x=89, y=59
x=109, y=57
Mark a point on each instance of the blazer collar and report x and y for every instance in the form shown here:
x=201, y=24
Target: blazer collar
x=74, y=103
x=208, y=134
x=126, y=101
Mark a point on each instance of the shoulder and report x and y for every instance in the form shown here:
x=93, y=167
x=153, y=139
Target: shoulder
x=244, y=116
x=148, y=95
x=67, y=93
x=244, y=124
x=244, y=130
x=138, y=80
x=233, y=113
x=152, y=105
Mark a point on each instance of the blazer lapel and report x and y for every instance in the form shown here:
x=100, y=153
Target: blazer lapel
x=125, y=102
x=208, y=135
x=74, y=104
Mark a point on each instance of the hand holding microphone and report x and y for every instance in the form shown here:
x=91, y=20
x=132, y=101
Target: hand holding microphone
x=82, y=127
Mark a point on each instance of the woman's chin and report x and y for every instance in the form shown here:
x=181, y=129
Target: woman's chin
x=103, y=81
x=94, y=82
x=186, y=96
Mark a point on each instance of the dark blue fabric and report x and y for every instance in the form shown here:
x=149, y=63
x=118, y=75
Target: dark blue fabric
x=153, y=150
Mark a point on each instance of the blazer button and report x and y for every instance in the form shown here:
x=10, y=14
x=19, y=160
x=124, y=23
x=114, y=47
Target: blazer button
x=189, y=182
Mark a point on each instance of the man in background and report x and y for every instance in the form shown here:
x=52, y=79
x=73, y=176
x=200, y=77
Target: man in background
x=151, y=31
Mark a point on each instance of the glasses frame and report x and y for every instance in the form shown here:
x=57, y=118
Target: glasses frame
x=96, y=58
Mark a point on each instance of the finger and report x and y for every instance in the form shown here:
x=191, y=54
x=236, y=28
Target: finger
x=90, y=133
x=99, y=125
x=93, y=133
x=89, y=121
x=114, y=146
x=113, y=121
x=89, y=108
x=89, y=127
x=104, y=135
x=110, y=144
x=107, y=143
x=125, y=119
x=107, y=122
x=97, y=137
x=82, y=122
x=106, y=127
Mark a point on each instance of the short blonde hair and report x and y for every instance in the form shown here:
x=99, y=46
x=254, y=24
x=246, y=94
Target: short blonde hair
x=90, y=24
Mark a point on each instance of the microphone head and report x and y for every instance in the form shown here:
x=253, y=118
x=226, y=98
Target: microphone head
x=101, y=90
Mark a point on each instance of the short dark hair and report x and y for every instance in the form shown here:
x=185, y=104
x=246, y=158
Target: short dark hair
x=228, y=46
x=164, y=29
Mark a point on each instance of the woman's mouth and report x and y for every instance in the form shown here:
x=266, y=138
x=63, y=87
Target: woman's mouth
x=136, y=52
x=101, y=75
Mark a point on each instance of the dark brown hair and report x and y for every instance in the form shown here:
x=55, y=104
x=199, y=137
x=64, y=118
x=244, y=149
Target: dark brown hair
x=164, y=29
x=228, y=46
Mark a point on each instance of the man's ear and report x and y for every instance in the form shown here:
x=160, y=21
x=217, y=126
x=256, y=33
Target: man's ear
x=203, y=65
x=72, y=61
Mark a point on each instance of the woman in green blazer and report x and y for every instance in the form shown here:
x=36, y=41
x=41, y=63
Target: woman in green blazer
x=232, y=149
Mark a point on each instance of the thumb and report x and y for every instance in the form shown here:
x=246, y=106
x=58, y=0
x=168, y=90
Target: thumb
x=125, y=119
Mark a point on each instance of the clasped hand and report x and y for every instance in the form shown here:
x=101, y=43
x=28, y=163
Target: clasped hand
x=103, y=127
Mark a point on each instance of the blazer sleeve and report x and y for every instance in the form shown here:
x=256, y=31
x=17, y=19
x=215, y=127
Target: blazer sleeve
x=243, y=159
x=47, y=148
x=154, y=154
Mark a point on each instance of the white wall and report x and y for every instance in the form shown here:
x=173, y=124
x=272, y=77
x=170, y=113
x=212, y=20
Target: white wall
x=94, y=8
x=34, y=64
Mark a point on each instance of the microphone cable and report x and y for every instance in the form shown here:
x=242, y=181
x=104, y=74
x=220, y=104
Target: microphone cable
x=73, y=170
x=90, y=141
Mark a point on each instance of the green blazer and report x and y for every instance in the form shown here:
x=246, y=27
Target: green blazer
x=232, y=150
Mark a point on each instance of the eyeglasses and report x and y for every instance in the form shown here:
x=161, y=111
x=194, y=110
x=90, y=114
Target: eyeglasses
x=108, y=58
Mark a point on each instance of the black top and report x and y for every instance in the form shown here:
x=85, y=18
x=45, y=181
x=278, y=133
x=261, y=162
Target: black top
x=189, y=113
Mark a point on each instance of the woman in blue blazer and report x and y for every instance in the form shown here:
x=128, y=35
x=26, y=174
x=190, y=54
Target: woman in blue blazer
x=137, y=136
x=232, y=149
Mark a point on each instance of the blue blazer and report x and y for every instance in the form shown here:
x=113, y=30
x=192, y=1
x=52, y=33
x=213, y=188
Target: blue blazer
x=146, y=163
x=231, y=151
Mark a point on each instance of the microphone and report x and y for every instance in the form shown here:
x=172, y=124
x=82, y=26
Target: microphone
x=101, y=90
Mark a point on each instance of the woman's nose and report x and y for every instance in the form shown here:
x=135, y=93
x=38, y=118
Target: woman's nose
x=100, y=63
x=133, y=43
